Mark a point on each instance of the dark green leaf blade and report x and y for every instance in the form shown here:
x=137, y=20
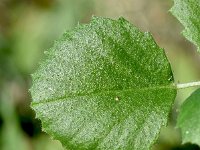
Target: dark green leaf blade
x=188, y=13
x=104, y=85
x=189, y=118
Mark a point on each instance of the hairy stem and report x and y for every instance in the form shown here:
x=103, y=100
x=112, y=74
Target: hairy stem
x=187, y=85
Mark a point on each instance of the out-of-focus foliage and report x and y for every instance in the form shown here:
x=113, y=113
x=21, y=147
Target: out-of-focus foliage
x=28, y=27
x=11, y=134
x=188, y=12
x=189, y=119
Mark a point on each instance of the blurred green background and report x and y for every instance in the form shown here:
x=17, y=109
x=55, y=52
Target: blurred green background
x=28, y=27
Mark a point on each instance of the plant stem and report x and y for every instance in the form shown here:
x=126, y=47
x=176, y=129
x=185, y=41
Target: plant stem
x=187, y=85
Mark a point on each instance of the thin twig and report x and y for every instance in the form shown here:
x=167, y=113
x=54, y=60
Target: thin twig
x=187, y=85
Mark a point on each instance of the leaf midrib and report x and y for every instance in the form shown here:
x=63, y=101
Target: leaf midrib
x=170, y=86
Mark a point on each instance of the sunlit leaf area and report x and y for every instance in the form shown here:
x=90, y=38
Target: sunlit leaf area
x=28, y=28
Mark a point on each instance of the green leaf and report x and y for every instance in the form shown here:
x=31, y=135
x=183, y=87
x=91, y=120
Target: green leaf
x=189, y=118
x=188, y=13
x=104, y=85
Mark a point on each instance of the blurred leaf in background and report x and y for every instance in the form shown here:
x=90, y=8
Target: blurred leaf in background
x=11, y=134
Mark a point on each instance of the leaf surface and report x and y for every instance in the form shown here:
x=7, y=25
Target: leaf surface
x=104, y=85
x=188, y=13
x=189, y=118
